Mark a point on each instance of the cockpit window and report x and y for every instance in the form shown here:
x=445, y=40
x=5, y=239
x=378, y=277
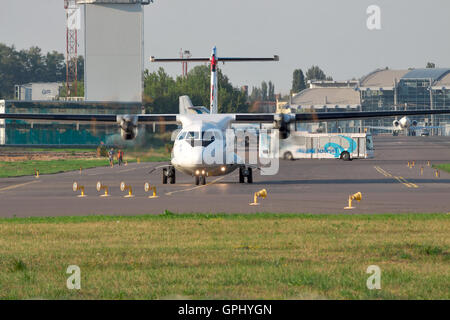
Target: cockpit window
x=181, y=136
x=192, y=137
x=208, y=138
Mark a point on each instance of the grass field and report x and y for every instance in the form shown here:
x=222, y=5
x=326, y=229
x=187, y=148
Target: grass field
x=445, y=166
x=25, y=168
x=226, y=256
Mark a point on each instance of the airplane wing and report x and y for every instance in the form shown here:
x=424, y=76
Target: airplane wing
x=330, y=116
x=426, y=127
x=240, y=117
x=382, y=128
x=106, y=118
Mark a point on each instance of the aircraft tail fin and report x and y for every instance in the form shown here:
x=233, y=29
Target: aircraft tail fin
x=185, y=104
x=186, y=107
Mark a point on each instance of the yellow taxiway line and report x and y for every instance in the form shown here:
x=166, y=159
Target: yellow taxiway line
x=17, y=185
x=402, y=180
x=196, y=187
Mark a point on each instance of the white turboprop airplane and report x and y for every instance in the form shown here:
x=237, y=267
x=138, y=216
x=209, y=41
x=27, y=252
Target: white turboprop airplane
x=197, y=135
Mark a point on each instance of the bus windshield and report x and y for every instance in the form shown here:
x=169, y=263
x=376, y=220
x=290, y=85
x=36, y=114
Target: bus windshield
x=369, y=142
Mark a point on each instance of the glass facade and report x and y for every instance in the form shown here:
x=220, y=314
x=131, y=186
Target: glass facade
x=388, y=90
x=411, y=93
x=19, y=132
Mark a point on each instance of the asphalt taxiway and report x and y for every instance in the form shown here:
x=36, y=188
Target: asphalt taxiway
x=386, y=182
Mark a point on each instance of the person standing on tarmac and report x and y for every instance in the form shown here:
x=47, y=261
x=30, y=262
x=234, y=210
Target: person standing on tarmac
x=120, y=157
x=111, y=157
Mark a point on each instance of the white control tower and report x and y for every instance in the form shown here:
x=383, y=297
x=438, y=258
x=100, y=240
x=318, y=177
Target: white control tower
x=114, y=49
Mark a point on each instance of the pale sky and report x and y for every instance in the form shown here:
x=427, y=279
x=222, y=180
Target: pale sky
x=329, y=33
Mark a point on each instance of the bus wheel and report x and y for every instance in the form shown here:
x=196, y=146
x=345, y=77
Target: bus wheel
x=241, y=175
x=288, y=156
x=250, y=176
x=345, y=156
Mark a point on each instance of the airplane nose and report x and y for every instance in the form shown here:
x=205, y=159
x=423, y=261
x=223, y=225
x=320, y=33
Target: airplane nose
x=197, y=156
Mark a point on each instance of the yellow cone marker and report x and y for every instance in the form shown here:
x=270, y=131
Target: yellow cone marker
x=148, y=187
x=357, y=196
x=76, y=187
x=124, y=186
x=101, y=187
x=260, y=194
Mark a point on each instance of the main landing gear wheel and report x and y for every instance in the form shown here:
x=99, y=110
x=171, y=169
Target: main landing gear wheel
x=164, y=176
x=241, y=175
x=245, y=173
x=168, y=175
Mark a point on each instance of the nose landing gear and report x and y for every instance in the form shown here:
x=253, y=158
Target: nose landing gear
x=200, y=177
x=200, y=180
x=168, y=175
x=245, y=172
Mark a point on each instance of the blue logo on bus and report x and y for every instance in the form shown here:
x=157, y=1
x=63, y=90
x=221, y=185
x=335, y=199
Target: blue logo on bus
x=333, y=148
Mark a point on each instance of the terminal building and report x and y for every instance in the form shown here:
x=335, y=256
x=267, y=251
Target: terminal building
x=382, y=89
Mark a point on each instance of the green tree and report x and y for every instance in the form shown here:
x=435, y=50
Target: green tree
x=162, y=92
x=298, y=81
x=271, y=94
x=264, y=91
x=12, y=69
x=255, y=95
x=54, y=67
x=315, y=73
x=80, y=90
x=24, y=66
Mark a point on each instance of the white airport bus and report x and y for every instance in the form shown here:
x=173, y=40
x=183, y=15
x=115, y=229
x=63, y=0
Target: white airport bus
x=303, y=145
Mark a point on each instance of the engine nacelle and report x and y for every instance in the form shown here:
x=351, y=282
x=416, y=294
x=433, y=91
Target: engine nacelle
x=128, y=126
x=396, y=123
x=284, y=124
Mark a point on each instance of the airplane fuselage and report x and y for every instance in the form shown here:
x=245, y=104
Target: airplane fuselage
x=200, y=148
